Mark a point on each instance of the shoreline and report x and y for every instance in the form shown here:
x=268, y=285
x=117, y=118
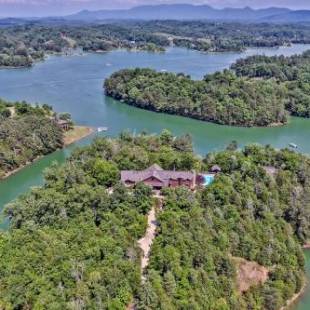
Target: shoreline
x=306, y=246
x=86, y=132
x=12, y=172
x=295, y=297
x=50, y=54
x=76, y=134
x=271, y=125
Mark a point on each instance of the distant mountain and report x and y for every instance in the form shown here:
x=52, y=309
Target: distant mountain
x=11, y=21
x=180, y=12
x=173, y=12
x=290, y=17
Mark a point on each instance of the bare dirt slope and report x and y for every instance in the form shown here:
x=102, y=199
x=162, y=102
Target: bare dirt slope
x=249, y=274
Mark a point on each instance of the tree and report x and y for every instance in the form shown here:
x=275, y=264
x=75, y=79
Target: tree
x=106, y=173
x=233, y=146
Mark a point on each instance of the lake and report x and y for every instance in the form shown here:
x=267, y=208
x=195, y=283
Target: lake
x=74, y=84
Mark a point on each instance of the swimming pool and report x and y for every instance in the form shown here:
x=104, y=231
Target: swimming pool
x=207, y=179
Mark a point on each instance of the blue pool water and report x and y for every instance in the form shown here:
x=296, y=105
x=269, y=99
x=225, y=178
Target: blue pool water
x=208, y=179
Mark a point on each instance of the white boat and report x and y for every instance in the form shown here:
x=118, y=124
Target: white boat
x=100, y=129
x=293, y=145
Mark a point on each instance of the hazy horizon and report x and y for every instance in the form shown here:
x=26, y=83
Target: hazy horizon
x=40, y=8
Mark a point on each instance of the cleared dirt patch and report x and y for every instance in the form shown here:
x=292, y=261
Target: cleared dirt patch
x=249, y=274
x=77, y=133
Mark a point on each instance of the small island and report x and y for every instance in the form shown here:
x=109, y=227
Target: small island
x=29, y=132
x=257, y=91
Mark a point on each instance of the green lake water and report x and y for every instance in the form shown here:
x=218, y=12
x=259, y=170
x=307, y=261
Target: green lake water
x=74, y=84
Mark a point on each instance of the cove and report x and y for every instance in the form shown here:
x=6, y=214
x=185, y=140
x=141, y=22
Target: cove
x=74, y=84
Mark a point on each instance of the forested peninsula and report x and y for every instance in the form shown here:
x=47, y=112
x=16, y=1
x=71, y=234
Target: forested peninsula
x=73, y=242
x=23, y=45
x=257, y=91
x=28, y=132
x=222, y=98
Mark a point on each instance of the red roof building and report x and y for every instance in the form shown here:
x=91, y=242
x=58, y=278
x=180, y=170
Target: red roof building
x=157, y=178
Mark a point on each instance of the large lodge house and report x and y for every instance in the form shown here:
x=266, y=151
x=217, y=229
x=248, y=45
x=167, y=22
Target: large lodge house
x=157, y=178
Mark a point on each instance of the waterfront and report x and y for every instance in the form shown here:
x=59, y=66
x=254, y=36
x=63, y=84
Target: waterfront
x=74, y=84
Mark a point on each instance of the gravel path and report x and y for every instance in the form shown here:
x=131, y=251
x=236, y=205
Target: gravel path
x=145, y=243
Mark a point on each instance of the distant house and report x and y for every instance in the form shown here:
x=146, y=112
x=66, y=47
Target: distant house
x=157, y=178
x=63, y=124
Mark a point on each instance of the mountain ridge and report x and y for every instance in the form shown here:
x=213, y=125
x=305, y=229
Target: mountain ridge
x=291, y=17
x=184, y=12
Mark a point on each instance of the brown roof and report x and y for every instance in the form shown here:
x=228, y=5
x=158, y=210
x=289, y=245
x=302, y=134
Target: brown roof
x=157, y=172
x=62, y=122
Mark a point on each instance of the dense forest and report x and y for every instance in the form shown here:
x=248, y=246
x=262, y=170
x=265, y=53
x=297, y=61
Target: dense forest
x=293, y=72
x=73, y=242
x=221, y=37
x=26, y=132
x=221, y=98
x=254, y=210
x=73, y=246
x=21, y=46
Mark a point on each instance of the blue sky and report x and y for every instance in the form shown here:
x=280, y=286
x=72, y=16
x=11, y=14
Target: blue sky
x=62, y=7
